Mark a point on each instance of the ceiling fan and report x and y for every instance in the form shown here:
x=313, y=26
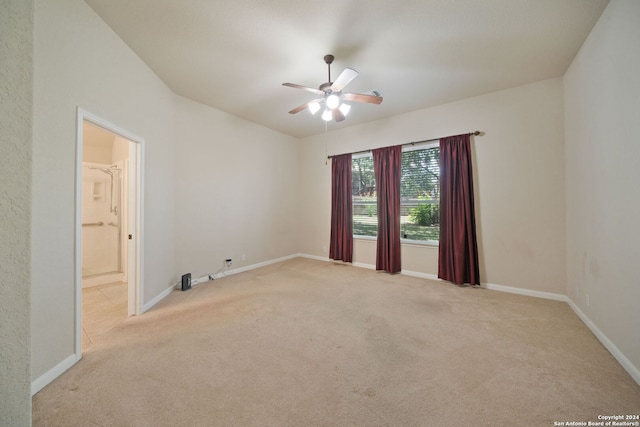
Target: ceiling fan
x=331, y=96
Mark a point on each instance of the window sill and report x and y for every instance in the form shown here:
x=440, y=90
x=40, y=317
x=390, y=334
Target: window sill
x=418, y=243
x=403, y=242
x=370, y=238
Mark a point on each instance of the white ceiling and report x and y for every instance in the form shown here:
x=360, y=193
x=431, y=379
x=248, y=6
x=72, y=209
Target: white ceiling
x=234, y=55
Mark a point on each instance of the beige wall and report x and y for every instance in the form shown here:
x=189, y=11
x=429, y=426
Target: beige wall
x=236, y=191
x=16, y=108
x=519, y=182
x=602, y=96
x=199, y=167
x=79, y=62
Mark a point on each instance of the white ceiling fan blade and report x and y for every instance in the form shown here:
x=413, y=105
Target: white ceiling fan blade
x=308, y=89
x=343, y=79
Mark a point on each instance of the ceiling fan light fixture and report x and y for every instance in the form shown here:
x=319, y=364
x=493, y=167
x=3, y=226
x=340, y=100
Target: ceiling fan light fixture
x=333, y=101
x=331, y=95
x=314, y=107
x=345, y=108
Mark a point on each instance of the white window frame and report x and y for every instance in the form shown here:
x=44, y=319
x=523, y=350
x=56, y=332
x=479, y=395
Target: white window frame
x=415, y=147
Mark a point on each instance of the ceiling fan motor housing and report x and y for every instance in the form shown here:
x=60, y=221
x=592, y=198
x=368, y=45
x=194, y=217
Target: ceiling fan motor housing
x=325, y=87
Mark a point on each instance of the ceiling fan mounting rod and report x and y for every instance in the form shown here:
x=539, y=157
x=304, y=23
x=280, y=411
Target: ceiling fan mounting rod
x=328, y=59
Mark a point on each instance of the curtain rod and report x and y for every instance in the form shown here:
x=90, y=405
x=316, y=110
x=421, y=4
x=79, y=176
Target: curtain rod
x=476, y=133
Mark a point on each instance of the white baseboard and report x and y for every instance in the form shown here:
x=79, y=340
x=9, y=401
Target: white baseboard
x=157, y=299
x=615, y=351
x=39, y=383
x=327, y=259
x=316, y=257
x=610, y=346
x=260, y=264
x=171, y=288
x=53, y=373
x=42, y=381
x=420, y=275
x=526, y=292
x=362, y=265
x=628, y=366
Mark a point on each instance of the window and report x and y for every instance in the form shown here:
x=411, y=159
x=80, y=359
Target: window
x=365, y=204
x=419, y=195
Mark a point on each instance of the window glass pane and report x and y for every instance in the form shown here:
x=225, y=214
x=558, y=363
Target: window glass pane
x=365, y=217
x=420, y=194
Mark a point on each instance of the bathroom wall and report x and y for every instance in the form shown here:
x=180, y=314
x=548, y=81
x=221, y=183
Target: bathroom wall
x=97, y=144
x=104, y=249
x=101, y=240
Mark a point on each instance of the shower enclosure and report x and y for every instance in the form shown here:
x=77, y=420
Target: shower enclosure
x=102, y=249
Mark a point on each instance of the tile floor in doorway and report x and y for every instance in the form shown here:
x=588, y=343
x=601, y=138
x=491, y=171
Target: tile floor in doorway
x=103, y=308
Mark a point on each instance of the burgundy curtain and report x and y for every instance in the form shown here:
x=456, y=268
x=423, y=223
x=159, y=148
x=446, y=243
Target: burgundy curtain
x=458, y=249
x=387, y=165
x=341, y=244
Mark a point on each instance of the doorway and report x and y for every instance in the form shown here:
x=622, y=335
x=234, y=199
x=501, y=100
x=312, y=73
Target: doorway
x=108, y=228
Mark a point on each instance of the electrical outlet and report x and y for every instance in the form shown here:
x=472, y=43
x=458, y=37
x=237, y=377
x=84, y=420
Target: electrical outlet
x=229, y=262
x=244, y=257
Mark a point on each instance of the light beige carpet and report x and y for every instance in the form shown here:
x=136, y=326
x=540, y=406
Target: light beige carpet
x=310, y=343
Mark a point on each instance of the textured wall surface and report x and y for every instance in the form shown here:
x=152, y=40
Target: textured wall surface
x=16, y=77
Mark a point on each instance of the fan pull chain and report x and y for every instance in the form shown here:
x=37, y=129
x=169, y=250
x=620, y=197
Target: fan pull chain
x=326, y=137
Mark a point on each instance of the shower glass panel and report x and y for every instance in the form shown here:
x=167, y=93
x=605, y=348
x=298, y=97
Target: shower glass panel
x=101, y=219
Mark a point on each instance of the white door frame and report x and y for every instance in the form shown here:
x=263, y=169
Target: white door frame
x=134, y=218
